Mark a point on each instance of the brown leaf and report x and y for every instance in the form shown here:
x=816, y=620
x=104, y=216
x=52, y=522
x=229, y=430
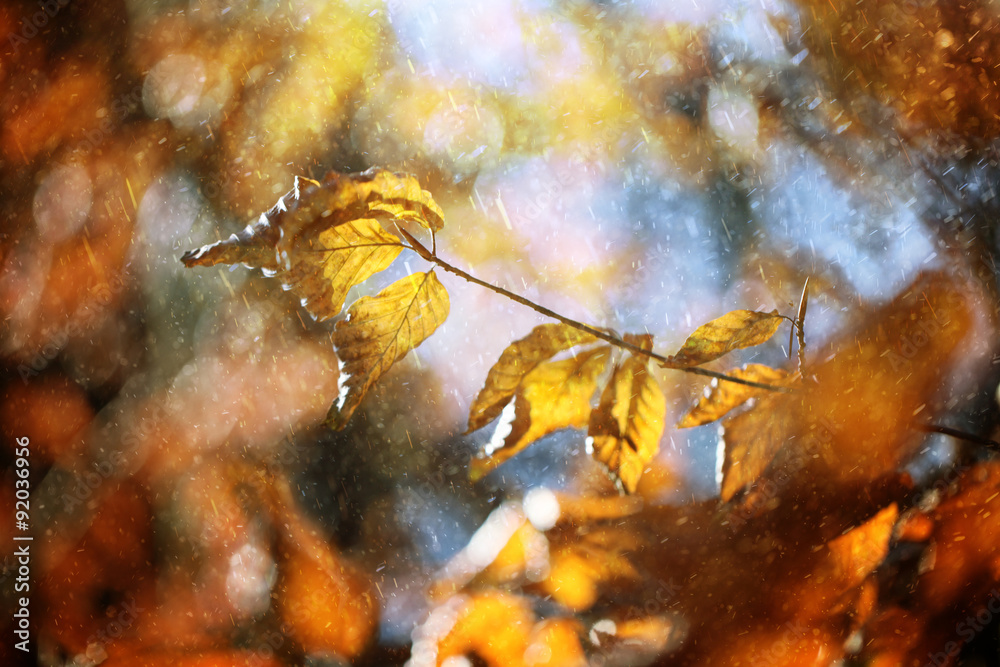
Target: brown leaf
x=721, y=397
x=553, y=396
x=321, y=239
x=380, y=330
x=625, y=428
x=519, y=359
x=736, y=329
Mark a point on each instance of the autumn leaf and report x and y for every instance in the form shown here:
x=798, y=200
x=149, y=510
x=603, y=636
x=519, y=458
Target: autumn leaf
x=552, y=396
x=855, y=554
x=625, y=428
x=520, y=358
x=721, y=397
x=345, y=256
x=580, y=564
x=750, y=440
x=380, y=330
x=400, y=196
x=322, y=239
x=803, y=445
x=734, y=330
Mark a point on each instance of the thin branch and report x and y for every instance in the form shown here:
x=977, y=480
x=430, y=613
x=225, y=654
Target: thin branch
x=604, y=335
x=961, y=435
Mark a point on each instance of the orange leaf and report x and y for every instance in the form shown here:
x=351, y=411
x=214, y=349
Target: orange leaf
x=734, y=330
x=750, y=440
x=855, y=554
x=496, y=626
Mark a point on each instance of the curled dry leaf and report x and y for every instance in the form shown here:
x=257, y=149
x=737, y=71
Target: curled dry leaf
x=520, y=358
x=734, y=330
x=721, y=397
x=625, y=428
x=380, y=330
x=321, y=239
x=553, y=396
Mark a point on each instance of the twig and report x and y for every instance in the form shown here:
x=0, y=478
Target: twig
x=604, y=335
x=961, y=435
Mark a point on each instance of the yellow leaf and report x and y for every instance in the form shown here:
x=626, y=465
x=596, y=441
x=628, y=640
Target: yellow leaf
x=519, y=359
x=380, y=330
x=721, y=397
x=553, y=396
x=625, y=428
x=736, y=329
x=342, y=257
x=400, y=196
x=750, y=441
x=321, y=239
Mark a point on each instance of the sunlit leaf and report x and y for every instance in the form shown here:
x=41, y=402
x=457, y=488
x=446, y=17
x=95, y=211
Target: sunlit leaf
x=346, y=255
x=380, y=330
x=321, y=239
x=519, y=359
x=400, y=196
x=553, y=396
x=625, y=428
x=736, y=329
x=721, y=397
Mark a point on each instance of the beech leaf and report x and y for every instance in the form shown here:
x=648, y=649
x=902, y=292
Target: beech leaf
x=552, y=396
x=750, y=440
x=626, y=427
x=520, y=358
x=379, y=331
x=736, y=329
x=721, y=397
x=345, y=256
x=322, y=239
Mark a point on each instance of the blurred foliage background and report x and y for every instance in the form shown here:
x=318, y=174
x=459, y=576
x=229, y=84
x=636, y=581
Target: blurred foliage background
x=639, y=165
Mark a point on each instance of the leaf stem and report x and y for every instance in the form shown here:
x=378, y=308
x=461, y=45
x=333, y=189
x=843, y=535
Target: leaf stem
x=603, y=334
